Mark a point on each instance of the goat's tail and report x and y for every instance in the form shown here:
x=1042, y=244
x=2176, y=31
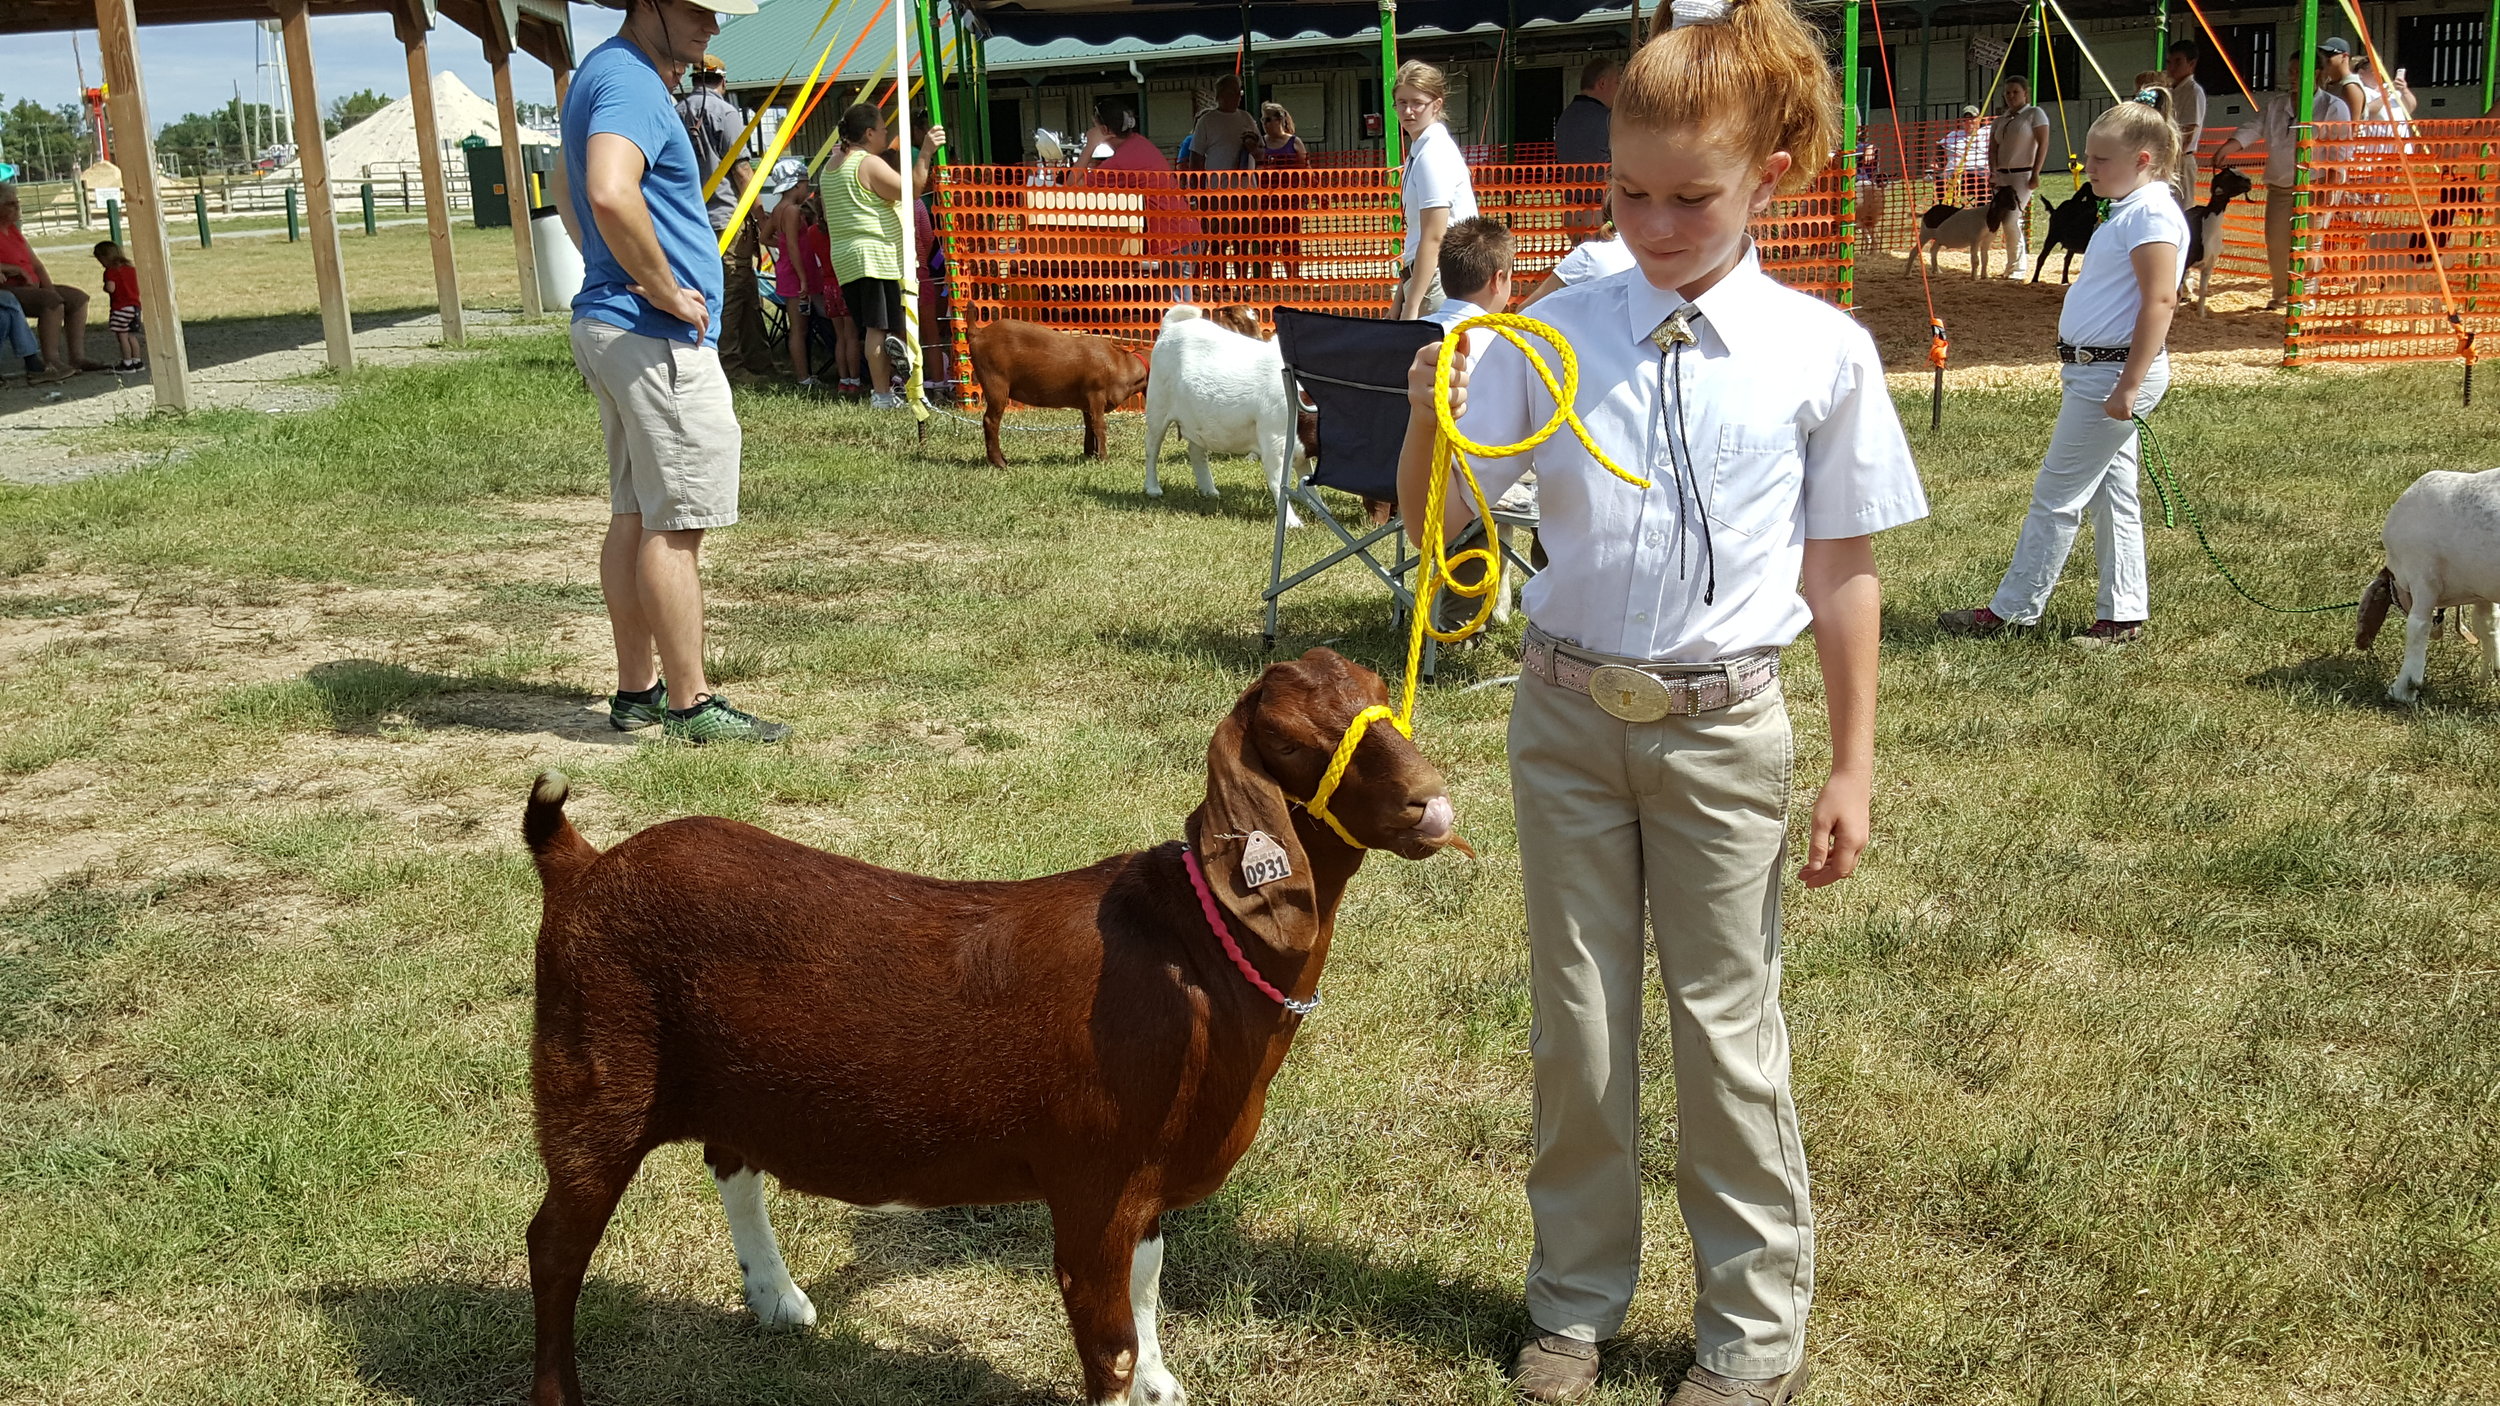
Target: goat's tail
x=559, y=849
x=1180, y=313
x=2375, y=603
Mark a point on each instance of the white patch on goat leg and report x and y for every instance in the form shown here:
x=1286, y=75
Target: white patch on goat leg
x=2481, y=634
x=1154, y=1384
x=776, y=1301
x=1206, y=476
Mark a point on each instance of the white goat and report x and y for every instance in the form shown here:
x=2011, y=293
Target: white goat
x=2443, y=550
x=1226, y=392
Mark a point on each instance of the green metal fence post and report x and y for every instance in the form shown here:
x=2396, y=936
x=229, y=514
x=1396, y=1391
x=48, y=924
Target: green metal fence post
x=2039, y=25
x=2491, y=56
x=364, y=193
x=1849, y=153
x=294, y=231
x=2305, y=140
x=2161, y=33
x=199, y=212
x=113, y=219
x=1391, y=140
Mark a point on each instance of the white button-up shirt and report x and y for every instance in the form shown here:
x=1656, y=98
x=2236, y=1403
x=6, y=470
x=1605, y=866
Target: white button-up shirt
x=1791, y=434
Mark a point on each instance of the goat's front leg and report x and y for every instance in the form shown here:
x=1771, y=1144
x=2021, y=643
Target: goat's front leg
x=2409, y=679
x=1110, y=1264
x=1198, y=462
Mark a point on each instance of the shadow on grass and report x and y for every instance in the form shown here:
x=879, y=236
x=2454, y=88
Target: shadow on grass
x=2351, y=679
x=364, y=695
x=1181, y=496
x=451, y=1342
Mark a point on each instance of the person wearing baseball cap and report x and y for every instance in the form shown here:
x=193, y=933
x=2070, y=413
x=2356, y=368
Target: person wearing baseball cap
x=645, y=338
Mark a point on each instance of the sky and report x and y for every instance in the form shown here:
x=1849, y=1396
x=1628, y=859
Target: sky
x=196, y=67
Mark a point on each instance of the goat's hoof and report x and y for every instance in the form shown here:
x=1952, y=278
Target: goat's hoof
x=785, y=1307
x=1154, y=490
x=1156, y=1386
x=2402, y=692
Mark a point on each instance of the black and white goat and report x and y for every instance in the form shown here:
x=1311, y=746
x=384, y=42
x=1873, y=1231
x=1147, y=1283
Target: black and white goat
x=1951, y=226
x=2205, y=234
x=2443, y=550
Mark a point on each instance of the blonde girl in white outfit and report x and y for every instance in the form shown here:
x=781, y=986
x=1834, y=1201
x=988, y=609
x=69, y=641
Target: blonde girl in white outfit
x=1650, y=748
x=2111, y=338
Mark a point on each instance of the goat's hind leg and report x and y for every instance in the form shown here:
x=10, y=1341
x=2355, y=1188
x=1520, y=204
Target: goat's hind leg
x=2482, y=634
x=2408, y=684
x=775, y=1300
x=583, y=1186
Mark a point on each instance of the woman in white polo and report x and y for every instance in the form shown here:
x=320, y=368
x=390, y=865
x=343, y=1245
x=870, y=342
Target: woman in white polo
x=1437, y=191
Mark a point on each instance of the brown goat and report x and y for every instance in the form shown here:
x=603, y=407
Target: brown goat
x=890, y=1040
x=1025, y=361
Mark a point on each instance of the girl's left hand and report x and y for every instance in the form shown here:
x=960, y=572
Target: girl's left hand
x=2121, y=404
x=1842, y=822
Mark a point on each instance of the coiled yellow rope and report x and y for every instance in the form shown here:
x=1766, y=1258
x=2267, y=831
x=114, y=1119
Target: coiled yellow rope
x=1437, y=572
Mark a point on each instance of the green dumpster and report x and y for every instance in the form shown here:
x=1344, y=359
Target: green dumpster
x=489, y=204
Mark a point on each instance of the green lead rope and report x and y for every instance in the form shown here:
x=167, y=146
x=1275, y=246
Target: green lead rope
x=2174, y=502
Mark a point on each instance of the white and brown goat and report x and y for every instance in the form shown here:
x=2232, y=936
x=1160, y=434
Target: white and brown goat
x=2443, y=551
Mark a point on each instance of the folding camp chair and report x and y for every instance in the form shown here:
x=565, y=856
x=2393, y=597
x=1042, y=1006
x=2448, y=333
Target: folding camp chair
x=1353, y=372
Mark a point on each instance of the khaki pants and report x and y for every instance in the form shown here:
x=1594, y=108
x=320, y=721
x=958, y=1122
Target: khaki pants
x=743, y=345
x=2016, y=237
x=2279, y=240
x=1689, y=813
x=2183, y=182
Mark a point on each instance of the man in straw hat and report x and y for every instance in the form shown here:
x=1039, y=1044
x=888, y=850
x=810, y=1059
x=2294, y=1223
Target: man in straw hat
x=645, y=335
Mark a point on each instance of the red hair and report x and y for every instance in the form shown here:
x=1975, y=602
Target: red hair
x=1756, y=78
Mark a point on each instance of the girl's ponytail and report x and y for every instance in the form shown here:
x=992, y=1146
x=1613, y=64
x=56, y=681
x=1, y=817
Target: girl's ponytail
x=1750, y=71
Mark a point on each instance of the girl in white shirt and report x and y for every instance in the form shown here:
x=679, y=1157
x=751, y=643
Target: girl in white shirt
x=1649, y=744
x=1436, y=189
x=2111, y=338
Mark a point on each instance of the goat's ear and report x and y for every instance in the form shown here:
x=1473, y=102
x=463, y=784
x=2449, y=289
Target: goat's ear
x=1243, y=797
x=2375, y=603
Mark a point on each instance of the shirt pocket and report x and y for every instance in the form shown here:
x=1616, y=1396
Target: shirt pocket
x=1759, y=475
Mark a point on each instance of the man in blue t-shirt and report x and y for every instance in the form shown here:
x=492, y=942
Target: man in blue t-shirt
x=644, y=337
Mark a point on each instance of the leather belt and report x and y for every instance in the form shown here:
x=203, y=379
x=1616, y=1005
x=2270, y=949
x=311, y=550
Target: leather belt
x=2086, y=356
x=1638, y=692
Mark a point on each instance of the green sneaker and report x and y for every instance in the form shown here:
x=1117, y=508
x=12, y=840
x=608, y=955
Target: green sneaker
x=713, y=720
x=627, y=716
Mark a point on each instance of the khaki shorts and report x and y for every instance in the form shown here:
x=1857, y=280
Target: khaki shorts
x=672, y=437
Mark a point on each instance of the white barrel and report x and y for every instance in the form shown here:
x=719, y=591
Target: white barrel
x=559, y=263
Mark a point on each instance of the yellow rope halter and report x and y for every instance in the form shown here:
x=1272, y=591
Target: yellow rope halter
x=1438, y=570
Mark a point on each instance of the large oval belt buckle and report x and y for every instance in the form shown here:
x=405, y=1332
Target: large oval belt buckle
x=1630, y=694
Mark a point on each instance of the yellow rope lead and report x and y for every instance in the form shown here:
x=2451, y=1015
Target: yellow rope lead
x=1451, y=449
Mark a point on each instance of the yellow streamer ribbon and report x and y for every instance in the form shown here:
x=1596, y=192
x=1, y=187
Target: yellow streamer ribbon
x=772, y=153
x=1451, y=450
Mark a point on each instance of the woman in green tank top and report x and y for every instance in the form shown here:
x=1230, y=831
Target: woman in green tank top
x=863, y=222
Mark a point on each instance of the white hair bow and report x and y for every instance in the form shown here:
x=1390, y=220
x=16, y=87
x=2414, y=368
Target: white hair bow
x=1686, y=12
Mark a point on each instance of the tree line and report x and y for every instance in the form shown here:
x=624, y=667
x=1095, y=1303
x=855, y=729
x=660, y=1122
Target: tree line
x=56, y=143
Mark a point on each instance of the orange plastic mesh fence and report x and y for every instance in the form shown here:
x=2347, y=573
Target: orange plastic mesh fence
x=1109, y=254
x=1948, y=165
x=2373, y=294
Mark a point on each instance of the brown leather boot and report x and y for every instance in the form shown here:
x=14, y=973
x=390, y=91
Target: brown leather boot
x=1552, y=1367
x=1703, y=1387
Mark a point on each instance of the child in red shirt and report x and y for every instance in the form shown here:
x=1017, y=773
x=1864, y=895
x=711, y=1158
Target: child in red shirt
x=121, y=284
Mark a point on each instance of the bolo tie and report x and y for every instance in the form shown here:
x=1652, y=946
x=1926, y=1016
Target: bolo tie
x=1671, y=338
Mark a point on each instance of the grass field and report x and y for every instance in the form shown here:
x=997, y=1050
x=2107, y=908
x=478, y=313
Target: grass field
x=2151, y=1058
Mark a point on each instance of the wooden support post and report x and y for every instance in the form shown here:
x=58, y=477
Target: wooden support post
x=516, y=180
x=169, y=367
x=313, y=156
x=564, y=85
x=430, y=168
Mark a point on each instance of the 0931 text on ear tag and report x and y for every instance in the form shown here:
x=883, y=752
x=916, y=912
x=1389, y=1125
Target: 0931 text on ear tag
x=1263, y=860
